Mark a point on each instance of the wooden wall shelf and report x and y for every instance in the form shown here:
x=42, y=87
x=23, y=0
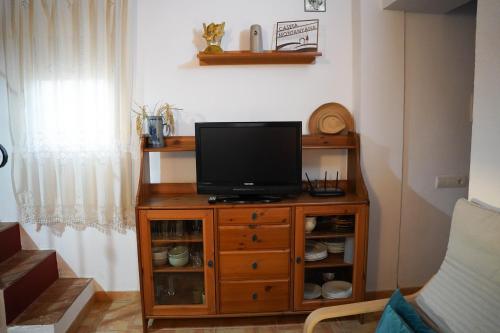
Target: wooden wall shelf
x=187, y=143
x=175, y=143
x=256, y=58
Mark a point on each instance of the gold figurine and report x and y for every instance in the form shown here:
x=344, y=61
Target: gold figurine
x=213, y=35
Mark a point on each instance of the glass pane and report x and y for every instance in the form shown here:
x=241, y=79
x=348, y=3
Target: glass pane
x=178, y=265
x=179, y=288
x=182, y=230
x=328, y=256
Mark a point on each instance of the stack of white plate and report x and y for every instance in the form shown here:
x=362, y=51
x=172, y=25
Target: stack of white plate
x=311, y=291
x=335, y=246
x=159, y=256
x=315, y=251
x=336, y=289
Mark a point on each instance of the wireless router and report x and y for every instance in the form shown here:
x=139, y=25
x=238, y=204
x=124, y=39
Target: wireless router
x=325, y=191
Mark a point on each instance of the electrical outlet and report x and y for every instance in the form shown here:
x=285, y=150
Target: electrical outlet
x=451, y=181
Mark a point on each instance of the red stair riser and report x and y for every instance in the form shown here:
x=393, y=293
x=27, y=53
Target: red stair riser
x=21, y=294
x=10, y=242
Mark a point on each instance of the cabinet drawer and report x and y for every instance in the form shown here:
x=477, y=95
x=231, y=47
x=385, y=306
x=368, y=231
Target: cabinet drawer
x=261, y=296
x=259, y=237
x=253, y=265
x=253, y=216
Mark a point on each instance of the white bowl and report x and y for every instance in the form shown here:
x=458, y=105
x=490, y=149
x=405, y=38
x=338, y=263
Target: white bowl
x=178, y=262
x=336, y=289
x=312, y=290
x=159, y=262
x=310, y=224
x=160, y=253
x=180, y=251
x=328, y=276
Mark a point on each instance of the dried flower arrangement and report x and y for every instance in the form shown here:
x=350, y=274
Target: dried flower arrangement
x=164, y=111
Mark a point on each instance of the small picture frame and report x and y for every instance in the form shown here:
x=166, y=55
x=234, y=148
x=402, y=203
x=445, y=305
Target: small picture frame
x=315, y=5
x=297, y=36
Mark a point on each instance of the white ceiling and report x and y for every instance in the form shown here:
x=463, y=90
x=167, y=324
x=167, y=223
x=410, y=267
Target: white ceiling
x=424, y=6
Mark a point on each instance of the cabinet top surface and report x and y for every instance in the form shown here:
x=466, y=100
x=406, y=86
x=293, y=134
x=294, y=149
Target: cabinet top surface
x=198, y=201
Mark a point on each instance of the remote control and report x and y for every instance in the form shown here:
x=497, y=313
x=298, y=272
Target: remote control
x=212, y=199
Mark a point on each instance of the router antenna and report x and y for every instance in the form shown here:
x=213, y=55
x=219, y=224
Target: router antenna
x=309, y=181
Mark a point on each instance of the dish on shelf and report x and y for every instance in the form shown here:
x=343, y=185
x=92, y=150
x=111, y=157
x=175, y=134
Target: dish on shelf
x=159, y=252
x=178, y=256
x=328, y=276
x=336, y=289
x=178, y=262
x=159, y=256
x=335, y=246
x=310, y=224
x=315, y=251
x=178, y=252
x=343, y=224
x=311, y=291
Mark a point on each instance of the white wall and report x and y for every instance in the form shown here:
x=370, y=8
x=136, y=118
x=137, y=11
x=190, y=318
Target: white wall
x=439, y=76
x=110, y=258
x=485, y=154
x=380, y=40
x=169, y=71
x=169, y=37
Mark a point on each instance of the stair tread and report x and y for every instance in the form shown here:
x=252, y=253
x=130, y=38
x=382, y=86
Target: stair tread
x=51, y=305
x=7, y=225
x=15, y=267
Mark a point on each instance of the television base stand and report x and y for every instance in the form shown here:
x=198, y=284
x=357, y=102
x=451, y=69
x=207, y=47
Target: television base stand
x=243, y=199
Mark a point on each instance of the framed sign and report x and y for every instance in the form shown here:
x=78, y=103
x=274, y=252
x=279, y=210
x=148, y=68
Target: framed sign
x=297, y=35
x=315, y=5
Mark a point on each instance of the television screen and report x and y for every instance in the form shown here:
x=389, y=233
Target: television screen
x=249, y=158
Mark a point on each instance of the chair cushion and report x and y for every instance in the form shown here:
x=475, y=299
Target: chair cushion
x=398, y=303
x=391, y=322
x=464, y=295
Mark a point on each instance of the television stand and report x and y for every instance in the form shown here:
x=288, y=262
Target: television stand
x=243, y=199
x=252, y=255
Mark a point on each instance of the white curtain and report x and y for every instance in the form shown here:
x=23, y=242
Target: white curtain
x=69, y=91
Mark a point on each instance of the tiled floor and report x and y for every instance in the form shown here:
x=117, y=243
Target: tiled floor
x=125, y=316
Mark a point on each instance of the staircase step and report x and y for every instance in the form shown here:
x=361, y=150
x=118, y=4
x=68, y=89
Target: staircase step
x=10, y=239
x=56, y=308
x=23, y=277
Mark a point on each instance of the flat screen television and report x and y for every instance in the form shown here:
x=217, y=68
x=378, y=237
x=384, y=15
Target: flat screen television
x=249, y=160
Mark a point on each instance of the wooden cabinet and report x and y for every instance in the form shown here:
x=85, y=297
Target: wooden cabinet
x=246, y=259
x=347, y=265
x=190, y=287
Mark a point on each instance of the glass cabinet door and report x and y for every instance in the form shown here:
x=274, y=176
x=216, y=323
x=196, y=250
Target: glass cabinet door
x=327, y=270
x=178, y=260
